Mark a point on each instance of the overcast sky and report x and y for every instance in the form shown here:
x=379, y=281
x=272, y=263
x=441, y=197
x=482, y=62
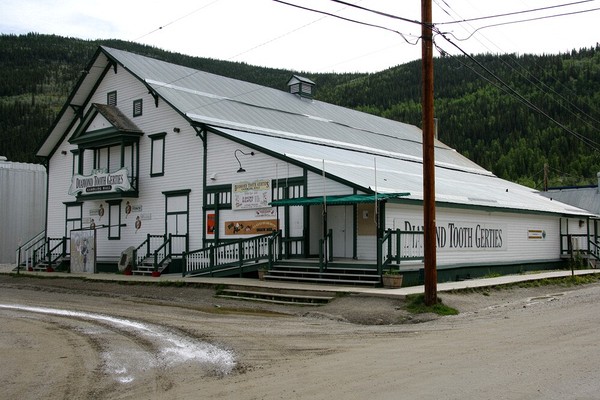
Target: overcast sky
x=268, y=33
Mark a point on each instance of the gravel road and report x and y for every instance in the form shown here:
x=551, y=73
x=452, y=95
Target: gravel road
x=77, y=339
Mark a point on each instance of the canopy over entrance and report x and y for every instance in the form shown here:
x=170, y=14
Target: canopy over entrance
x=337, y=200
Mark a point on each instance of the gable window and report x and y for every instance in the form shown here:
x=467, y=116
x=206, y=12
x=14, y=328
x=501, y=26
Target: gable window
x=114, y=219
x=157, y=154
x=111, y=98
x=75, y=169
x=137, y=107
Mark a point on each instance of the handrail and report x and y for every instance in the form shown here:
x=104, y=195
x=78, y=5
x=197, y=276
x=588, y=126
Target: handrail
x=325, y=251
x=594, y=249
x=392, y=247
x=148, y=244
x=61, y=243
x=25, y=249
x=275, y=247
x=232, y=254
x=168, y=253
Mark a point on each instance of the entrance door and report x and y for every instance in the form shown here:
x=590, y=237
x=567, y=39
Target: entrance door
x=340, y=220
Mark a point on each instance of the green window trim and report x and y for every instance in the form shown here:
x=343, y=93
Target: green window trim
x=157, y=154
x=114, y=219
x=111, y=98
x=138, y=107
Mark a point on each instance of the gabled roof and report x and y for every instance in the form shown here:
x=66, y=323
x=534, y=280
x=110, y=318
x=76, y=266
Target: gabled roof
x=355, y=147
x=116, y=127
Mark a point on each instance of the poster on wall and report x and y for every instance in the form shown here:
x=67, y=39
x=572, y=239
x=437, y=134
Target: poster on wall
x=251, y=195
x=83, y=251
x=252, y=227
x=210, y=224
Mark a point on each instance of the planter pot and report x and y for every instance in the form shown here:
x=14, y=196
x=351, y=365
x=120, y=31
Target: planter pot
x=392, y=281
x=49, y=269
x=155, y=274
x=261, y=274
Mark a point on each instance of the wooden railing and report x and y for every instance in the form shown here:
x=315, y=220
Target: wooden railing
x=25, y=252
x=396, y=246
x=236, y=253
x=325, y=251
x=160, y=248
x=147, y=248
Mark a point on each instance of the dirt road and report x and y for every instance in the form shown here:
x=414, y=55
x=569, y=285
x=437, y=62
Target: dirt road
x=65, y=338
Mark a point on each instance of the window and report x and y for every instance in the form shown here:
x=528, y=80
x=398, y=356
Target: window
x=114, y=219
x=157, y=154
x=75, y=161
x=137, y=107
x=111, y=98
x=73, y=219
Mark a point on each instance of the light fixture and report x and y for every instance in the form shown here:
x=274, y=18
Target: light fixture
x=176, y=130
x=238, y=160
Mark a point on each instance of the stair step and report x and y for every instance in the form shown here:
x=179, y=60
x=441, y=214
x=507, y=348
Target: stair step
x=277, y=298
x=321, y=280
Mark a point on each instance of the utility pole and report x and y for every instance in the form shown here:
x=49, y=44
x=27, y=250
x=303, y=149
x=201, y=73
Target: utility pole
x=428, y=155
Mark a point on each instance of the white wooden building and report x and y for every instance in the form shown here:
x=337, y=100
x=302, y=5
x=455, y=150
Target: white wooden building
x=244, y=175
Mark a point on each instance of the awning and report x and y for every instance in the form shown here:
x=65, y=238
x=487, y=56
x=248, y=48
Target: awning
x=337, y=200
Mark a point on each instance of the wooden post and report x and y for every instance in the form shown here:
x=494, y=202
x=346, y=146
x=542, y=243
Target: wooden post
x=428, y=155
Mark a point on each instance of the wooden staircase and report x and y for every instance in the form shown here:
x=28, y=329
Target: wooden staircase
x=277, y=296
x=349, y=274
x=146, y=267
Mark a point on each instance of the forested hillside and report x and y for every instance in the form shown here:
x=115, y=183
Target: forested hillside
x=511, y=114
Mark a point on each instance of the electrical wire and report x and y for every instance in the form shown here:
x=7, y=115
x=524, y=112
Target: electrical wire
x=176, y=20
x=523, y=20
x=402, y=35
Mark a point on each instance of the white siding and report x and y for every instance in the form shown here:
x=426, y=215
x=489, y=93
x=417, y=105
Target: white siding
x=332, y=188
x=511, y=238
x=183, y=171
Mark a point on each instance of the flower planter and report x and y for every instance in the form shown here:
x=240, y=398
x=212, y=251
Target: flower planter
x=155, y=274
x=261, y=274
x=392, y=281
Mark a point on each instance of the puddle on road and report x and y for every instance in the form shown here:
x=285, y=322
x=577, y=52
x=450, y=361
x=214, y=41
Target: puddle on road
x=171, y=348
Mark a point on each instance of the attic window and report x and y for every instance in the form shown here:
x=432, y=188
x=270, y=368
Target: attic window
x=111, y=98
x=137, y=107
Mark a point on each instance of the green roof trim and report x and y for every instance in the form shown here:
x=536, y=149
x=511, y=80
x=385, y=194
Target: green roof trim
x=337, y=200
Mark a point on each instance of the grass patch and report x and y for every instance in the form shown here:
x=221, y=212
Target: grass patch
x=416, y=305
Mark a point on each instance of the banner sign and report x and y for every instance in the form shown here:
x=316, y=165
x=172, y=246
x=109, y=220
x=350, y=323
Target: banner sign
x=250, y=227
x=459, y=235
x=100, y=182
x=251, y=195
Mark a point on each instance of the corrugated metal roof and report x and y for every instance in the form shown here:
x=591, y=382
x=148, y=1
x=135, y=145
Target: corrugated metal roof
x=310, y=131
x=230, y=103
x=398, y=174
x=587, y=198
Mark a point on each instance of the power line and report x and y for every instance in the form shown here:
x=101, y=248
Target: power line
x=524, y=100
x=511, y=13
x=176, y=20
x=349, y=20
x=523, y=20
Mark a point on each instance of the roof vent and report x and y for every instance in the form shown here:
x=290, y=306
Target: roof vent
x=301, y=86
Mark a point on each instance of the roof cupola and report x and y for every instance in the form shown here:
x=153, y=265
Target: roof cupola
x=301, y=86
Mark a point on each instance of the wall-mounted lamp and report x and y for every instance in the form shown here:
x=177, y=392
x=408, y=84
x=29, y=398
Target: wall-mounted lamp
x=63, y=152
x=238, y=160
x=176, y=130
x=213, y=177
